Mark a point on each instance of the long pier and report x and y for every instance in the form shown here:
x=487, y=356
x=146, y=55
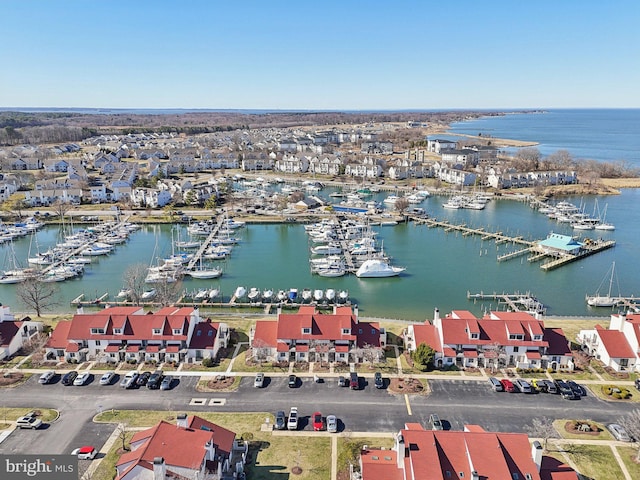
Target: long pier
x=516, y=302
x=203, y=247
x=558, y=259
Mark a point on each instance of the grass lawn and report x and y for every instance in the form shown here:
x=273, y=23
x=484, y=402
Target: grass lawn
x=603, y=434
x=576, y=376
x=8, y=415
x=597, y=391
x=106, y=469
x=595, y=462
x=571, y=328
x=628, y=455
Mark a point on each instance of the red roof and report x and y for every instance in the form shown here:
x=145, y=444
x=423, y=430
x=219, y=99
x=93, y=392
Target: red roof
x=58, y=338
x=615, y=343
x=470, y=354
x=8, y=330
x=265, y=334
x=342, y=348
x=302, y=348
x=112, y=348
x=428, y=334
x=172, y=349
x=73, y=347
x=533, y=355
x=204, y=335
x=152, y=348
x=133, y=348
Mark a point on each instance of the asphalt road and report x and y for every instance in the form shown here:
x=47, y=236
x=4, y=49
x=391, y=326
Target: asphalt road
x=457, y=402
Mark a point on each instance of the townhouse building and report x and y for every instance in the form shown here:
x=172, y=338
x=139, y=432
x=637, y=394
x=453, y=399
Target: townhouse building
x=618, y=346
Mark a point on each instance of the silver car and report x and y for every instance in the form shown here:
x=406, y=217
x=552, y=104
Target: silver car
x=107, y=377
x=618, y=432
x=332, y=424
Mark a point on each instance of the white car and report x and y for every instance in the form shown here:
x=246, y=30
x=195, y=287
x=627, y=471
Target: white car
x=47, y=377
x=82, y=379
x=85, y=453
x=107, y=377
x=292, y=423
x=618, y=432
x=259, y=380
x=332, y=424
x=129, y=379
x=29, y=421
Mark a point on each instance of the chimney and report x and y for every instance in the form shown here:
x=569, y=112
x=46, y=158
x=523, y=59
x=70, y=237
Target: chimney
x=436, y=315
x=181, y=420
x=355, y=311
x=80, y=309
x=475, y=475
x=159, y=468
x=536, y=454
x=400, y=450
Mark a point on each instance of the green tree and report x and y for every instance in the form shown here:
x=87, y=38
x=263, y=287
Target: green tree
x=423, y=356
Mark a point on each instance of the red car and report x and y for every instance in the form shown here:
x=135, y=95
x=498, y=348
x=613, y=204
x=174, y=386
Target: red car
x=507, y=385
x=318, y=423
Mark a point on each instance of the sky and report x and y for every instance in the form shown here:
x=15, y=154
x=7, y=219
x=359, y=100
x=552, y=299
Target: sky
x=320, y=54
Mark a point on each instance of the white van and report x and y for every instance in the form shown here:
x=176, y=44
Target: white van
x=47, y=377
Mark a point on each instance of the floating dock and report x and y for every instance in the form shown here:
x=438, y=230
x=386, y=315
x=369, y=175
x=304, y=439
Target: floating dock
x=516, y=302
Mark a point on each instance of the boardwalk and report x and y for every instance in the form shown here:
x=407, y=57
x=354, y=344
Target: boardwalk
x=203, y=247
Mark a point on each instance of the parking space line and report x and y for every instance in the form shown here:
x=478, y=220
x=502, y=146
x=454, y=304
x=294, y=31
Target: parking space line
x=198, y=401
x=217, y=401
x=406, y=400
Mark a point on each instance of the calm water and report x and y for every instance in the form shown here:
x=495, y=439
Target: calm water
x=598, y=134
x=441, y=267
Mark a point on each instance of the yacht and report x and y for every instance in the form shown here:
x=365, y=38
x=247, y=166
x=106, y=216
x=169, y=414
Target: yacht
x=240, y=292
x=204, y=273
x=607, y=300
x=377, y=268
x=148, y=294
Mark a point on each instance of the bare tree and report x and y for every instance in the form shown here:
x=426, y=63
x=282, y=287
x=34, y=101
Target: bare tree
x=61, y=208
x=260, y=350
x=133, y=281
x=631, y=423
x=167, y=292
x=527, y=160
x=401, y=205
x=542, y=428
x=37, y=295
x=121, y=430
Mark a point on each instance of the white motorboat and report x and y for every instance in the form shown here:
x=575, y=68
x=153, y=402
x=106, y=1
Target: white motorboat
x=214, y=293
x=378, y=268
x=240, y=292
x=391, y=199
x=343, y=296
x=330, y=294
x=148, y=294
x=267, y=295
x=188, y=244
x=607, y=300
x=281, y=296
x=124, y=293
x=254, y=294
x=326, y=250
x=201, y=294
x=331, y=271
x=306, y=295
x=318, y=295
x=293, y=294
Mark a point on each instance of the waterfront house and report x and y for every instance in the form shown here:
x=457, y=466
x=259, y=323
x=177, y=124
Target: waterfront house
x=438, y=145
x=455, y=176
x=192, y=448
x=118, y=334
x=292, y=164
x=559, y=245
x=15, y=334
x=465, y=157
x=421, y=454
x=618, y=347
x=312, y=336
x=497, y=340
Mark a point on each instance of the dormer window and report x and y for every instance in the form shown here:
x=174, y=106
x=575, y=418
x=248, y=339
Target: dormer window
x=306, y=330
x=97, y=330
x=515, y=336
x=157, y=331
x=537, y=338
x=117, y=331
x=177, y=331
x=475, y=335
x=346, y=331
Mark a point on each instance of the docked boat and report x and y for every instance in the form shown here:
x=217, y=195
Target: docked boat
x=330, y=294
x=254, y=294
x=607, y=300
x=214, y=293
x=204, y=273
x=318, y=295
x=326, y=250
x=124, y=293
x=240, y=292
x=201, y=294
x=378, y=268
x=148, y=294
x=391, y=199
x=343, y=296
x=267, y=295
x=293, y=294
x=331, y=271
x=306, y=295
x=281, y=296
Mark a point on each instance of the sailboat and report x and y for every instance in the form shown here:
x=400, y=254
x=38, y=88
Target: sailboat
x=598, y=300
x=603, y=225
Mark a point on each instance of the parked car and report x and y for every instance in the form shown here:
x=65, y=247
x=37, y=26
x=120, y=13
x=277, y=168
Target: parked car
x=536, y=385
x=142, y=379
x=550, y=387
x=85, y=453
x=281, y=420
x=636, y=382
x=578, y=389
x=129, y=380
x=378, y=381
x=47, y=377
x=318, y=423
x=507, y=385
x=495, y=384
x=332, y=424
x=522, y=385
x=107, y=377
x=166, y=383
x=342, y=381
x=435, y=422
x=618, y=432
x=292, y=423
x=29, y=421
x=565, y=390
x=82, y=379
x=293, y=381
x=155, y=380
x=354, y=382
x=69, y=377
x=258, y=382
